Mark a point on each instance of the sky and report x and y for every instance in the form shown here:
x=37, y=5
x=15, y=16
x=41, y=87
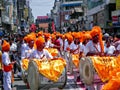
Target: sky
x=41, y=7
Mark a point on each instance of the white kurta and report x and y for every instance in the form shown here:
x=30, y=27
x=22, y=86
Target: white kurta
x=44, y=54
x=6, y=75
x=66, y=45
x=118, y=47
x=84, y=49
x=73, y=46
x=109, y=50
x=48, y=44
x=27, y=52
x=95, y=48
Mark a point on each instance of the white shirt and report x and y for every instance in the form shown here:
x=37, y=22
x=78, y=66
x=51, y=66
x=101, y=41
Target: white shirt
x=118, y=47
x=66, y=45
x=5, y=58
x=93, y=47
x=27, y=52
x=84, y=49
x=110, y=50
x=13, y=47
x=48, y=44
x=73, y=46
x=41, y=54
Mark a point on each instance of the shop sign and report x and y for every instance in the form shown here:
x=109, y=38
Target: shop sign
x=117, y=4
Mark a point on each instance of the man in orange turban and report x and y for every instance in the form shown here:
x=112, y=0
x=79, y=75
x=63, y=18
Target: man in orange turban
x=7, y=66
x=95, y=46
x=40, y=52
x=25, y=53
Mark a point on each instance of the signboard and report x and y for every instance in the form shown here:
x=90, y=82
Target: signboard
x=114, y=19
x=117, y=4
x=43, y=25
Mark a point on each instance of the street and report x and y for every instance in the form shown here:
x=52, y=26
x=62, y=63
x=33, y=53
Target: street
x=70, y=85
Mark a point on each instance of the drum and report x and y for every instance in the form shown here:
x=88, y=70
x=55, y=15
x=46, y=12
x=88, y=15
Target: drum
x=38, y=81
x=88, y=74
x=24, y=69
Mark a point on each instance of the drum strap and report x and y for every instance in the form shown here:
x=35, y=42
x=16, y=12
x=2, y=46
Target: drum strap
x=96, y=48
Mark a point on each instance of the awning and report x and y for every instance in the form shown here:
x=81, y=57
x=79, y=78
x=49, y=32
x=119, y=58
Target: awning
x=72, y=4
x=78, y=10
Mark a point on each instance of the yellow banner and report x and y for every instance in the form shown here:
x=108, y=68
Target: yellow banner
x=25, y=13
x=117, y=4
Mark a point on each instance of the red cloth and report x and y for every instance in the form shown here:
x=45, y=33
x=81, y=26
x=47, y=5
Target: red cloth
x=33, y=28
x=57, y=43
x=53, y=27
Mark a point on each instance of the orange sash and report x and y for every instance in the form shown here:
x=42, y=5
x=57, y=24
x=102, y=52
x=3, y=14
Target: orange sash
x=7, y=68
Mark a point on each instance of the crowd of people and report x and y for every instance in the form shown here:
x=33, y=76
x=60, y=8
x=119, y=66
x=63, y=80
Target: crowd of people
x=32, y=45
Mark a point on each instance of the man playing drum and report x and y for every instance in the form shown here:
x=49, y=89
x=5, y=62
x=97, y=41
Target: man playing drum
x=40, y=52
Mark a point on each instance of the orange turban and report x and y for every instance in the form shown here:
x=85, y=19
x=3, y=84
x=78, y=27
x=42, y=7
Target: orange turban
x=40, y=33
x=76, y=35
x=69, y=37
x=30, y=38
x=5, y=46
x=47, y=35
x=40, y=41
x=96, y=30
x=86, y=36
x=53, y=37
x=33, y=34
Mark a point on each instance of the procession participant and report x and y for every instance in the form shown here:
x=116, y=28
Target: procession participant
x=67, y=42
x=47, y=40
x=29, y=48
x=75, y=46
x=109, y=48
x=61, y=41
x=40, y=52
x=7, y=66
x=86, y=38
x=95, y=46
x=55, y=41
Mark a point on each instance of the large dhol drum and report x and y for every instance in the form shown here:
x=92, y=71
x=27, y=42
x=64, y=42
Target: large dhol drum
x=38, y=81
x=87, y=71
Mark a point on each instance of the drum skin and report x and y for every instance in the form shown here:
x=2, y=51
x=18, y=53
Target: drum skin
x=86, y=70
x=33, y=74
x=38, y=81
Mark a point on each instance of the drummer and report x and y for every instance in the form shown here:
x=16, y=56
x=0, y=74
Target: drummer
x=40, y=53
x=29, y=48
x=47, y=40
x=95, y=45
x=75, y=46
x=86, y=38
x=68, y=41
